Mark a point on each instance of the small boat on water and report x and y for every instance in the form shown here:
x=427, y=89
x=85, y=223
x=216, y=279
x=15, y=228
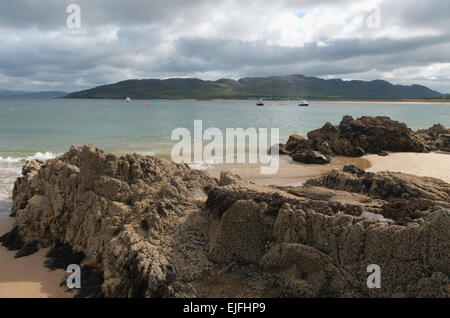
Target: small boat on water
x=303, y=103
x=259, y=103
x=127, y=100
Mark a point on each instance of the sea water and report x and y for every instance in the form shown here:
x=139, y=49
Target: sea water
x=43, y=128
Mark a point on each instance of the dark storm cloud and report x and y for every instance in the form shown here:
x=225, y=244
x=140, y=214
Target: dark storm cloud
x=212, y=39
x=429, y=13
x=236, y=53
x=340, y=57
x=49, y=14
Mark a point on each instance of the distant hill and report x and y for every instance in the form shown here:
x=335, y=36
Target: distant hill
x=26, y=94
x=273, y=87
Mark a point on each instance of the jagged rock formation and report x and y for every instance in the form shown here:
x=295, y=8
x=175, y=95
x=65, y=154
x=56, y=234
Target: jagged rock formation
x=385, y=185
x=436, y=137
x=123, y=213
x=354, y=138
x=159, y=229
x=318, y=242
x=409, y=194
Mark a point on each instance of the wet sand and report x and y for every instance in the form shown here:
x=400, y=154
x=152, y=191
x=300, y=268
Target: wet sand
x=290, y=172
x=26, y=276
x=434, y=164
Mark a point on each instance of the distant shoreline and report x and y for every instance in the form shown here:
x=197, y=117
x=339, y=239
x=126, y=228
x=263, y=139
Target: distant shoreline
x=384, y=101
x=381, y=101
x=387, y=101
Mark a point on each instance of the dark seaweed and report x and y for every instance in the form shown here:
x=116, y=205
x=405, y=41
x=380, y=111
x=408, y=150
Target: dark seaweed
x=61, y=256
x=91, y=283
x=28, y=249
x=12, y=240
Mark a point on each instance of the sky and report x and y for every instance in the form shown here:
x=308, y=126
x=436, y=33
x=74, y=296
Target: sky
x=44, y=48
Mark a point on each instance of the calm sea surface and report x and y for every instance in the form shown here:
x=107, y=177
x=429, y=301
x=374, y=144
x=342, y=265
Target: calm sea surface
x=41, y=128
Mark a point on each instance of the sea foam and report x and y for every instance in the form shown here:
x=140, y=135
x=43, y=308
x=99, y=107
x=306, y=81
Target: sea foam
x=38, y=155
x=10, y=169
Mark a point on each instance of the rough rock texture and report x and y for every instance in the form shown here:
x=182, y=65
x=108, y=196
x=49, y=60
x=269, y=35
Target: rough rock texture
x=354, y=138
x=385, y=185
x=123, y=213
x=317, y=242
x=310, y=156
x=158, y=229
x=436, y=137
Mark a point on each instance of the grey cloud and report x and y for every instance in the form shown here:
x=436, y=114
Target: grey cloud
x=50, y=14
x=226, y=54
x=153, y=39
x=429, y=13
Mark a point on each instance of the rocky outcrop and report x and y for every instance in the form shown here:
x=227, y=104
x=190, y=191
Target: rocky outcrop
x=123, y=213
x=152, y=228
x=385, y=185
x=409, y=197
x=310, y=156
x=318, y=242
x=436, y=137
x=354, y=138
x=301, y=150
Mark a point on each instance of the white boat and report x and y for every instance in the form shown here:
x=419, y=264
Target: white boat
x=303, y=103
x=128, y=99
x=259, y=103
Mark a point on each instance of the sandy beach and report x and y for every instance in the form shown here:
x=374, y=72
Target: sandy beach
x=26, y=277
x=434, y=164
x=416, y=101
x=290, y=173
x=296, y=101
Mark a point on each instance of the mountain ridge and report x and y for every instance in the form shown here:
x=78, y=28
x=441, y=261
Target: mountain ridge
x=272, y=87
x=5, y=93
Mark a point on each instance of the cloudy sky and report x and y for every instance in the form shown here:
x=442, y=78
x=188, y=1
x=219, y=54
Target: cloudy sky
x=402, y=41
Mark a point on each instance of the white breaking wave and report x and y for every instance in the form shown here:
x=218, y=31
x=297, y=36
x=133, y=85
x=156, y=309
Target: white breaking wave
x=10, y=169
x=5, y=195
x=202, y=166
x=147, y=153
x=7, y=178
x=38, y=155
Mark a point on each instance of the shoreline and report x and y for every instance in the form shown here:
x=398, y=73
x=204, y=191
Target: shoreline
x=380, y=101
x=387, y=101
x=290, y=173
x=433, y=164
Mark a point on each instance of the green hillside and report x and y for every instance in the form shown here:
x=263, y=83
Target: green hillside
x=273, y=87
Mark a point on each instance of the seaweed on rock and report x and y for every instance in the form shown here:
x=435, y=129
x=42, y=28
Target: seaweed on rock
x=27, y=249
x=91, y=283
x=61, y=256
x=12, y=240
